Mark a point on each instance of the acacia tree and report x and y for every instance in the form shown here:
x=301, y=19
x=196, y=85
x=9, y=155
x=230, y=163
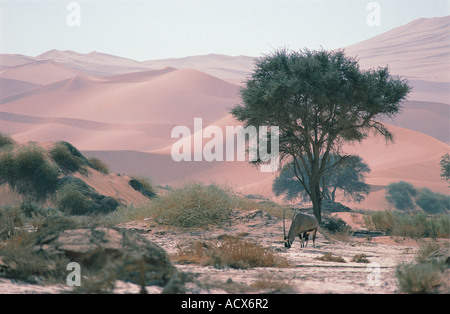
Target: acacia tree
x=348, y=176
x=319, y=100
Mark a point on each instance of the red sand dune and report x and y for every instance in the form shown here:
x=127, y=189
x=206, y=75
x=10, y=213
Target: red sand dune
x=39, y=72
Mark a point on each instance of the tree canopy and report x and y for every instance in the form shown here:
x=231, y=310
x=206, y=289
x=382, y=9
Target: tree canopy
x=348, y=177
x=319, y=100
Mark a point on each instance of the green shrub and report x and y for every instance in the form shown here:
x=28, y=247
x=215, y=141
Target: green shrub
x=334, y=224
x=28, y=172
x=75, y=197
x=400, y=195
x=194, y=205
x=68, y=158
x=409, y=225
x=143, y=186
x=429, y=272
x=98, y=165
x=72, y=201
x=432, y=202
x=418, y=278
x=5, y=140
x=10, y=219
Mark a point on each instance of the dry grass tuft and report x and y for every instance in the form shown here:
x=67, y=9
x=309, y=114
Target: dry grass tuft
x=360, y=258
x=329, y=257
x=194, y=205
x=233, y=252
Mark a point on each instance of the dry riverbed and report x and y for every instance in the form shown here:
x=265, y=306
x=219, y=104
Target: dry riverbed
x=367, y=264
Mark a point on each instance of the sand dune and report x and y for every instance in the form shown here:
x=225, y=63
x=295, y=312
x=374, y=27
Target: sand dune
x=93, y=63
x=13, y=60
x=426, y=117
x=418, y=50
x=90, y=135
x=9, y=87
x=39, y=72
x=232, y=69
x=134, y=111
x=170, y=97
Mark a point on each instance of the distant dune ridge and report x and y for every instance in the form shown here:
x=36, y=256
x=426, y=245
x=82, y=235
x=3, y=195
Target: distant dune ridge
x=123, y=111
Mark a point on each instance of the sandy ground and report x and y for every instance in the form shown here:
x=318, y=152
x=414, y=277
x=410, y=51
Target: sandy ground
x=306, y=275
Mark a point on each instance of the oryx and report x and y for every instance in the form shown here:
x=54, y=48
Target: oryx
x=302, y=225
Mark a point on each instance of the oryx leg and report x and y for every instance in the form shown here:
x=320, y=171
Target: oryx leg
x=301, y=240
x=306, y=237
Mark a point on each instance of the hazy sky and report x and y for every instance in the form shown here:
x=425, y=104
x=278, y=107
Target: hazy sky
x=157, y=29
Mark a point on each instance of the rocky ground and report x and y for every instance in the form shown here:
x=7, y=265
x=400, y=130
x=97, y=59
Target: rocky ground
x=374, y=273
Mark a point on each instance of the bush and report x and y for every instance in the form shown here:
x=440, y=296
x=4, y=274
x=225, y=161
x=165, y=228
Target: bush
x=68, y=158
x=232, y=252
x=400, y=195
x=431, y=202
x=418, y=278
x=334, y=224
x=10, y=220
x=402, y=224
x=194, y=205
x=98, y=165
x=72, y=201
x=28, y=172
x=143, y=186
x=5, y=140
x=75, y=197
x=329, y=257
x=360, y=258
x=24, y=263
x=429, y=273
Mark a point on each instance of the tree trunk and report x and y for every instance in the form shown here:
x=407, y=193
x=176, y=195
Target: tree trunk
x=317, y=209
x=316, y=199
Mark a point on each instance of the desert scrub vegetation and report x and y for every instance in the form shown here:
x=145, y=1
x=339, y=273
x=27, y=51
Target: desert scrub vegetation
x=75, y=197
x=143, y=185
x=429, y=273
x=336, y=228
x=404, y=196
x=68, y=158
x=27, y=170
x=5, y=140
x=98, y=165
x=416, y=225
x=24, y=264
x=229, y=251
x=10, y=222
x=329, y=257
x=194, y=205
x=360, y=258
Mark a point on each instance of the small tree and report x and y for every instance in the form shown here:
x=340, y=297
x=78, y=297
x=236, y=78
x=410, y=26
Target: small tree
x=445, y=167
x=319, y=100
x=348, y=177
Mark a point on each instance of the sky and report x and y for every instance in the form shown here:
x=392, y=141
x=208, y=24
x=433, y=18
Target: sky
x=159, y=29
